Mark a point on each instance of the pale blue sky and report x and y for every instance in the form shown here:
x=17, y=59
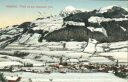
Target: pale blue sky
x=10, y=16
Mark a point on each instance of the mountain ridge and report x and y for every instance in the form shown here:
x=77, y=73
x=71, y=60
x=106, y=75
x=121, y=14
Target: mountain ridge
x=44, y=28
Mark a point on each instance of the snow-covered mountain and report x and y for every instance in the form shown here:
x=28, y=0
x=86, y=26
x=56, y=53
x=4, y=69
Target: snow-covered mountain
x=105, y=30
x=110, y=18
x=70, y=22
x=71, y=25
x=69, y=10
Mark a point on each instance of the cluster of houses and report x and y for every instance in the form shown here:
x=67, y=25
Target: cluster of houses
x=69, y=68
x=70, y=65
x=96, y=64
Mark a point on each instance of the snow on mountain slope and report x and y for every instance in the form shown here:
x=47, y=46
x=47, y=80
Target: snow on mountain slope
x=29, y=39
x=46, y=25
x=74, y=23
x=106, y=9
x=49, y=24
x=24, y=38
x=69, y=10
x=111, y=9
x=96, y=19
x=113, y=12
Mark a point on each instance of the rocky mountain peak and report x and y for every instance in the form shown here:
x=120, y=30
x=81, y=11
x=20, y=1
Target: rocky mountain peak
x=69, y=10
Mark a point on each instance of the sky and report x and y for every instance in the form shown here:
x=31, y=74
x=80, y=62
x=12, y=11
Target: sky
x=18, y=11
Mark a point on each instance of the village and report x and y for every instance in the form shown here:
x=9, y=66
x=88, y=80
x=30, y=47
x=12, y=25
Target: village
x=11, y=73
x=62, y=58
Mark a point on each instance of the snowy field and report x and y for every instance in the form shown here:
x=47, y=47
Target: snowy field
x=48, y=50
x=68, y=77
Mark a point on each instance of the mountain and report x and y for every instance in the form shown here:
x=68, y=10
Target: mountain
x=110, y=18
x=71, y=25
x=69, y=10
x=102, y=30
x=113, y=12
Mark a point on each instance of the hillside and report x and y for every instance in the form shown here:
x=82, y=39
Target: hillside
x=88, y=31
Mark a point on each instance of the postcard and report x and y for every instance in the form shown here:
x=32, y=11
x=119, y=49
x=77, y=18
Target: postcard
x=63, y=41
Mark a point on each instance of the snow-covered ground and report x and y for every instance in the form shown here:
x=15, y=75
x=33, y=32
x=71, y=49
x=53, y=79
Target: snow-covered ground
x=68, y=77
x=49, y=50
x=49, y=24
x=9, y=63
